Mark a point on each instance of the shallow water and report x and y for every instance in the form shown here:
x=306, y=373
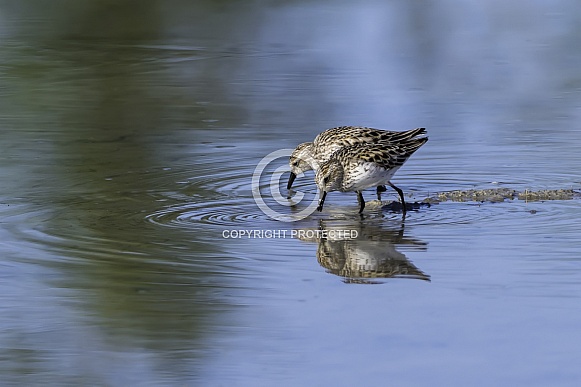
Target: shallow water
x=127, y=158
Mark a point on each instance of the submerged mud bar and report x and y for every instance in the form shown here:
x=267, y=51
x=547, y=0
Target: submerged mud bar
x=502, y=194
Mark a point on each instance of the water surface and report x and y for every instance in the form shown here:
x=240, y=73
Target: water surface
x=127, y=154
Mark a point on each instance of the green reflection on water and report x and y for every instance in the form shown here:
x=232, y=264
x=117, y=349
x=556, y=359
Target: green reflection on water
x=96, y=99
x=83, y=123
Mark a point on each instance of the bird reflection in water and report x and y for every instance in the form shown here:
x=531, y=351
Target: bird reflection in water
x=369, y=258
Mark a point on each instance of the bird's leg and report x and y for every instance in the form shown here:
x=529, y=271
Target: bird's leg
x=400, y=193
x=323, y=194
x=380, y=189
x=360, y=201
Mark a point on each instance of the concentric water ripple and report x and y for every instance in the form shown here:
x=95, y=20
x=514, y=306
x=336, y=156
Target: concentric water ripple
x=226, y=212
x=223, y=196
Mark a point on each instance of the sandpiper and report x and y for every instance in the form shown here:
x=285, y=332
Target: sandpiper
x=309, y=155
x=357, y=167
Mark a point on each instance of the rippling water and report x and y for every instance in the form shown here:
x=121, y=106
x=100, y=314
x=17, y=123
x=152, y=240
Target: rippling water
x=133, y=251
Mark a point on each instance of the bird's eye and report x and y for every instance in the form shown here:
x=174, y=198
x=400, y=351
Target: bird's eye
x=326, y=180
x=296, y=164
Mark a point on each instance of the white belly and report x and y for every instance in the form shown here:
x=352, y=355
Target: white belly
x=365, y=175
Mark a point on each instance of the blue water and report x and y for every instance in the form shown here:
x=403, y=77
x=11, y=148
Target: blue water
x=127, y=156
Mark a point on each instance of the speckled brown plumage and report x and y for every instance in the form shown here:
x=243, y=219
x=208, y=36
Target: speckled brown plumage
x=357, y=167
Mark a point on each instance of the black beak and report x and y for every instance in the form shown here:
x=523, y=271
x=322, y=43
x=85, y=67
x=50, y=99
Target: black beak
x=291, y=180
x=322, y=201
